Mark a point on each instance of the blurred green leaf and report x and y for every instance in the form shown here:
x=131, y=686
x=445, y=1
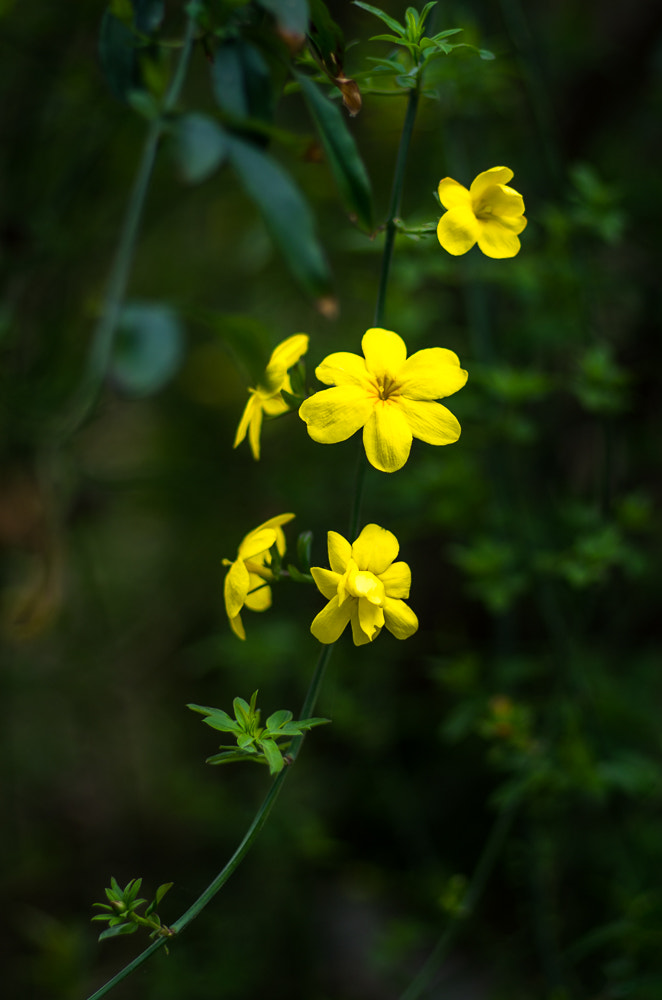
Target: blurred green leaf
x=286, y=214
x=342, y=154
x=119, y=58
x=291, y=15
x=273, y=755
x=148, y=348
x=201, y=146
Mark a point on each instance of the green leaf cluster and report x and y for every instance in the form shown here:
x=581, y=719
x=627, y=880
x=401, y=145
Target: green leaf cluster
x=260, y=744
x=122, y=908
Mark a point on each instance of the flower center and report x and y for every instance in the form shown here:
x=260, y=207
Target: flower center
x=386, y=386
x=364, y=584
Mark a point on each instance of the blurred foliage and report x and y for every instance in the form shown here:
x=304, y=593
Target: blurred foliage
x=533, y=542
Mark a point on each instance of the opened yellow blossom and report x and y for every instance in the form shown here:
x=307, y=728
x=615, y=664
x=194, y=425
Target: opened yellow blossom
x=392, y=397
x=364, y=587
x=247, y=580
x=490, y=214
x=267, y=397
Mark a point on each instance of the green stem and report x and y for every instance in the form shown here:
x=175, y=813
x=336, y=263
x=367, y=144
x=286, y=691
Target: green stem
x=242, y=850
x=479, y=880
x=394, y=206
x=359, y=483
x=104, y=333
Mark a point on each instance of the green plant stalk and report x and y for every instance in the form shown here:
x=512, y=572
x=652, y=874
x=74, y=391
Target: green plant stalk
x=394, y=206
x=242, y=850
x=106, y=328
x=483, y=870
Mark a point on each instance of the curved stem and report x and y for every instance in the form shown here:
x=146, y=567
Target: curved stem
x=481, y=874
x=242, y=850
x=394, y=206
x=104, y=333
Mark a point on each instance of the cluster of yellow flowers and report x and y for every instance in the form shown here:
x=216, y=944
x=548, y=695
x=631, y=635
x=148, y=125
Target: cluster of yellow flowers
x=393, y=399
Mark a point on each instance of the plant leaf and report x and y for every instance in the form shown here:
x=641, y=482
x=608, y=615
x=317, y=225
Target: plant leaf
x=291, y=15
x=273, y=756
x=285, y=212
x=117, y=930
x=392, y=23
x=148, y=348
x=200, y=147
x=342, y=154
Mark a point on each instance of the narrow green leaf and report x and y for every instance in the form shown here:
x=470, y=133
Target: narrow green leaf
x=228, y=756
x=286, y=214
x=392, y=23
x=311, y=723
x=291, y=15
x=200, y=147
x=273, y=755
x=117, y=930
x=304, y=546
x=343, y=156
x=242, y=711
x=161, y=891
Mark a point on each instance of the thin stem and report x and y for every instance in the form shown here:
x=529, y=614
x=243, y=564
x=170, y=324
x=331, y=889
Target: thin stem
x=104, y=333
x=242, y=850
x=359, y=483
x=394, y=206
x=479, y=880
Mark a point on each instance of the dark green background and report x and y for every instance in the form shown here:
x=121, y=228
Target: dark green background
x=533, y=542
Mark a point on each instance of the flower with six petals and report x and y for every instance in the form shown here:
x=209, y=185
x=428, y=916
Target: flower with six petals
x=247, y=580
x=490, y=213
x=392, y=397
x=364, y=587
x=267, y=397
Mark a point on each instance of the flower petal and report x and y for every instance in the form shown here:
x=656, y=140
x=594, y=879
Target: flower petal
x=256, y=542
x=246, y=417
x=254, y=429
x=358, y=635
x=258, y=599
x=430, y=422
x=340, y=552
x=457, y=230
x=273, y=406
x=451, y=193
x=387, y=436
x=397, y=580
x=343, y=368
x=371, y=618
x=330, y=623
x=400, y=619
x=333, y=415
x=496, y=240
x=237, y=626
x=235, y=588
x=502, y=201
x=495, y=175
x=326, y=581
x=283, y=357
x=375, y=549
x=384, y=351
x=431, y=374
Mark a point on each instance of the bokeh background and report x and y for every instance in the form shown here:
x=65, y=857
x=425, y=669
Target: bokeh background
x=536, y=676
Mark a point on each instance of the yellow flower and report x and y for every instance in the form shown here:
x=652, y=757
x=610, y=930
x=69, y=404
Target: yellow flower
x=364, y=587
x=388, y=394
x=246, y=582
x=490, y=213
x=267, y=397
